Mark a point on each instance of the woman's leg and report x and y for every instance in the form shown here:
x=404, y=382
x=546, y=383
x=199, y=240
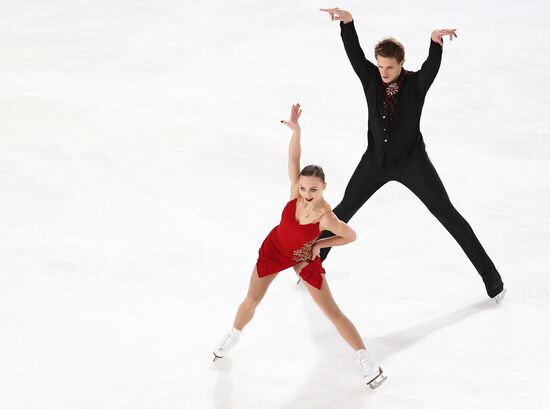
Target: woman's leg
x=256, y=291
x=323, y=298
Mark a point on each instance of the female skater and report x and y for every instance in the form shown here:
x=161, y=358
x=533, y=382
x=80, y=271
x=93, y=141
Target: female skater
x=294, y=243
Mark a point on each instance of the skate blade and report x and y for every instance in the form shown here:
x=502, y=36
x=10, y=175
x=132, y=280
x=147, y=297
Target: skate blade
x=499, y=297
x=377, y=380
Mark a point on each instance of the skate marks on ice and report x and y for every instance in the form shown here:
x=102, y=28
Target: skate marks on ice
x=223, y=387
x=309, y=367
x=336, y=379
x=392, y=343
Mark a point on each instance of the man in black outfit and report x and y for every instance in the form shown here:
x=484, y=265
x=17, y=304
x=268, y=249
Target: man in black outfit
x=396, y=149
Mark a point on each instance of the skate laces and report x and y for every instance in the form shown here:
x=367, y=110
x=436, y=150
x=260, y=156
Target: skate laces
x=366, y=363
x=227, y=340
x=232, y=337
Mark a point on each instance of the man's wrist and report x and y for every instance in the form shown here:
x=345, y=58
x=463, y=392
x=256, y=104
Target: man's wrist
x=348, y=24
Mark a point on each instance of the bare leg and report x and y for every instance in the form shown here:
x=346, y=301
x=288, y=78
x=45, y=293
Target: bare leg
x=256, y=291
x=323, y=298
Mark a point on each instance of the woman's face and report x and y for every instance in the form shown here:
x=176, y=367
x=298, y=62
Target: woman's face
x=311, y=189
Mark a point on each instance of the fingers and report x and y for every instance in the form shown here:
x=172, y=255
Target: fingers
x=439, y=34
x=295, y=113
x=335, y=13
x=330, y=12
x=451, y=32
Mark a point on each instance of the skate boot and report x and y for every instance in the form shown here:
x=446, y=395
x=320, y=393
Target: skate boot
x=227, y=342
x=500, y=296
x=494, y=285
x=373, y=374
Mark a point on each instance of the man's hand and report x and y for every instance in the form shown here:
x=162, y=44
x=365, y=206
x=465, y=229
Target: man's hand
x=437, y=35
x=339, y=14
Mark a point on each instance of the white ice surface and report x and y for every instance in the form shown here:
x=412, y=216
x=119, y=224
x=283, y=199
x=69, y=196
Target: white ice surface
x=142, y=163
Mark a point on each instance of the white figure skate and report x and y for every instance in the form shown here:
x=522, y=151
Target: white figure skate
x=500, y=296
x=373, y=374
x=227, y=342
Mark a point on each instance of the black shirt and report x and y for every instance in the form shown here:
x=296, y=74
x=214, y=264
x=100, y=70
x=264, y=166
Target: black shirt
x=392, y=138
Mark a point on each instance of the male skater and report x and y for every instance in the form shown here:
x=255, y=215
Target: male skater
x=396, y=149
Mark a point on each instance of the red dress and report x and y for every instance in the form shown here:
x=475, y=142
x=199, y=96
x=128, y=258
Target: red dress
x=288, y=244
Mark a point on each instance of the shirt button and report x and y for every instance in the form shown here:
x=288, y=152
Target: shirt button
x=384, y=117
x=385, y=140
x=384, y=129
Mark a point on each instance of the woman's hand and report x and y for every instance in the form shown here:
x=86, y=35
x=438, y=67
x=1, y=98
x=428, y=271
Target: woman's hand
x=339, y=14
x=315, y=251
x=437, y=35
x=295, y=113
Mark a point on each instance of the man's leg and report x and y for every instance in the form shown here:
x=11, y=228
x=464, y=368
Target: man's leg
x=364, y=182
x=421, y=178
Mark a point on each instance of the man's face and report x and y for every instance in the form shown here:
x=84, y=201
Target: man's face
x=389, y=68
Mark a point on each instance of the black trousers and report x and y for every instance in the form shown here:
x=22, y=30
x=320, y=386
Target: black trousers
x=419, y=176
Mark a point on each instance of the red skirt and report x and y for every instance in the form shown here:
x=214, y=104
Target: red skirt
x=272, y=258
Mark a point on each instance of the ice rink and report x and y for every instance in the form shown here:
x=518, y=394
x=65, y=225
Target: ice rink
x=142, y=163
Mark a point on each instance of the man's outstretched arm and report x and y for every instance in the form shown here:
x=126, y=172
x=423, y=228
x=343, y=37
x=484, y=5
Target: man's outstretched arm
x=364, y=69
x=427, y=73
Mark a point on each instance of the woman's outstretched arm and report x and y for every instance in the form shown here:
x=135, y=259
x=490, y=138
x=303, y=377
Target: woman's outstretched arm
x=294, y=150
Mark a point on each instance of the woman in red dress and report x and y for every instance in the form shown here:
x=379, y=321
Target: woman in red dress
x=294, y=243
